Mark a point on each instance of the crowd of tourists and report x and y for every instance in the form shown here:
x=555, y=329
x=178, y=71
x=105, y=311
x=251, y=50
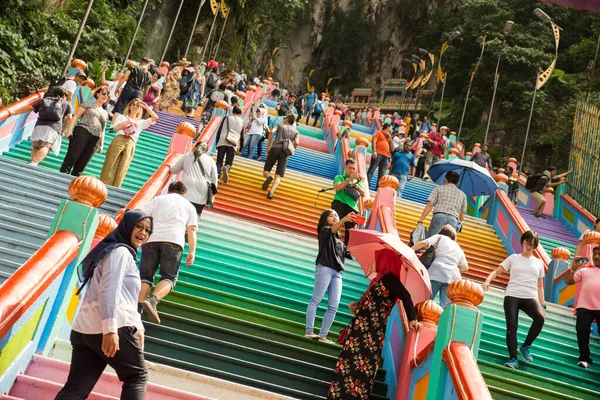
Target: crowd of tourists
x=109, y=331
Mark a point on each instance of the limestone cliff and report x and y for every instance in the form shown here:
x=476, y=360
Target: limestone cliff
x=389, y=24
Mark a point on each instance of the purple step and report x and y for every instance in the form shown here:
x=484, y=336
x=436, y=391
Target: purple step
x=167, y=123
x=547, y=226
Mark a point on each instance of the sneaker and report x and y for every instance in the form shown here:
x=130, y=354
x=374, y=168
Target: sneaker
x=225, y=174
x=267, y=182
x=583, y=364
x=311, y=336
x=270, y=196
x=150, y=308
x=525, y=353
x=512, y=363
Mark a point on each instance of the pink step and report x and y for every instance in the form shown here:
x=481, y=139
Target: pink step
x=109, y=384
x=32, y=388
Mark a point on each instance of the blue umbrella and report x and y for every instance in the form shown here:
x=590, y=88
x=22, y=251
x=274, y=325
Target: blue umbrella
x=474, y=180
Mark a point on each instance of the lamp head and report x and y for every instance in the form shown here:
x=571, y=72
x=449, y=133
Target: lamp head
x=453, y=35
x=479, y=40
x=415, y=58
x=542, y=15
x=423, y=51
x=507, y=27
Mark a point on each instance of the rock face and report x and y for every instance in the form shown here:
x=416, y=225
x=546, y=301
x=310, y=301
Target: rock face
x=393, y=23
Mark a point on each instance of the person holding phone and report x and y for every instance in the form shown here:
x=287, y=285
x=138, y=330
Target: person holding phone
x=525, y=291
x=588, y=303
x=328, y=274
x=347, y=186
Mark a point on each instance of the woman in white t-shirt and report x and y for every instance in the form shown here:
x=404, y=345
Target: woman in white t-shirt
x=449, y=262
x=525, y=291
x=120, y=151
x=226, y=148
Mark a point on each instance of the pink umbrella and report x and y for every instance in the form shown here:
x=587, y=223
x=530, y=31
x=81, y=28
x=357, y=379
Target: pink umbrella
x=363, y=245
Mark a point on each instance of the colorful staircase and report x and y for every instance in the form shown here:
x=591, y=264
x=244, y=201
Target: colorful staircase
x=551, y=232
x=238, y=312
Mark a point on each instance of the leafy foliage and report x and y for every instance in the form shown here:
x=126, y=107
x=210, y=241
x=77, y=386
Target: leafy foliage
x=530, y=46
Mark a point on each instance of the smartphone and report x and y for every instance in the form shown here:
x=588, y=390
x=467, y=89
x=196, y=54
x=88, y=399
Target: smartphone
x=360, y=220
x=583, y=260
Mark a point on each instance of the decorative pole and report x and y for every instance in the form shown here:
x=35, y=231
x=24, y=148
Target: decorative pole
x=481, y=41
x=224, y=13
x=542, y=77
x=417, y=85
x=211, y=30
x=137, y=28
x=187, y=49
x=593, y=70
x=444, y=76
x=409, y=86
x=162, y=58
x=76, y=42
x=507, y=27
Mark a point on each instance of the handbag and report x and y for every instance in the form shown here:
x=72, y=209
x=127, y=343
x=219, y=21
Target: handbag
x=232, y=137
x=212, y=188
x=429, y=255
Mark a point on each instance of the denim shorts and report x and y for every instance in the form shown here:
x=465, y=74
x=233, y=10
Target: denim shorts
x=167, y=255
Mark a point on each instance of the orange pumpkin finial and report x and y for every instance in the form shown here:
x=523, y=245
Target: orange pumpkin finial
x=186, y=128
x=465, y=293
x=106, y=224
x=428, y=313
x=88, y=190
x=389, y=181
x=560, y=253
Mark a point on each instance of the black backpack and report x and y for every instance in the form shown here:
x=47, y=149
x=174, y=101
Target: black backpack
x=51, y=109
x=532, y=181
x=211, y=80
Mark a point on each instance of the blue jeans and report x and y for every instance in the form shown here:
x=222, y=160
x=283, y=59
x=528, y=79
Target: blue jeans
x=438, y=221
x=381, y=163
x=402, y=179
x=326, y=279
x=251, y=142
x=436, y=287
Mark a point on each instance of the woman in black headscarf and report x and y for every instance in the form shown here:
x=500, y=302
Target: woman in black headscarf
x=108, y=328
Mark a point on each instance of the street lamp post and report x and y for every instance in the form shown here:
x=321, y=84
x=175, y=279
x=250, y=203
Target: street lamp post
x=162, y=58
x=541, y=77
x=444, y=76
x=76, y=42
x=480, y=41
x=221, y=36
x=419, y=62
x=507, y=27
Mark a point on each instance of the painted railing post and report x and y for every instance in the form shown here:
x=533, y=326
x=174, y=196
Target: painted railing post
x=80, y=216
x=555, y=290
x=220, y=110
x=558, y=192
x=413, y=374
x=461, y=321
x=385, y=197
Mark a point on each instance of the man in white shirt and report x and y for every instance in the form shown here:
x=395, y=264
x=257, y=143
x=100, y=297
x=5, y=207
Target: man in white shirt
x=173, y=216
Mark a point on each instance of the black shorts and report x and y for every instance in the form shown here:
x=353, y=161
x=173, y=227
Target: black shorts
x=199, y=208
x=167, y=255
x=276, y=155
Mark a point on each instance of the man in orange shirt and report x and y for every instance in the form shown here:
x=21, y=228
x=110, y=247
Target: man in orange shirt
x=381, y=152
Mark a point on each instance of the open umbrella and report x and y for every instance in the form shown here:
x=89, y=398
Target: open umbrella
x=474, y=180
x=363, y=245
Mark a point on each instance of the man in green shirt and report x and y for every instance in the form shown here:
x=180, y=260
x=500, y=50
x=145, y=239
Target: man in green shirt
x=343, y=203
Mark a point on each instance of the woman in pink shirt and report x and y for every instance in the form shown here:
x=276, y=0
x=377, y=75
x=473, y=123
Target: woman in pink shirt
x=588, y=304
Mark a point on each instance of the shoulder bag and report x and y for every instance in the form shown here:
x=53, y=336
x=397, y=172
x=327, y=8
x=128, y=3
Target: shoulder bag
x=288, y=147
x=212, y=188
x=233, y=137
x=429, y=255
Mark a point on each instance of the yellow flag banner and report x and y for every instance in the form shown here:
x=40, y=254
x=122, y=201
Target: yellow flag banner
x=224, y=9
x=214, y=5
x=312, y=71
x=274, y=51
